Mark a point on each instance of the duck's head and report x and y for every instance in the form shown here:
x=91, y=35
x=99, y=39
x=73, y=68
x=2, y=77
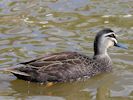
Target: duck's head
x=104, y=39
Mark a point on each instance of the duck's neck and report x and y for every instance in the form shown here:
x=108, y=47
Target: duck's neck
x=100, y=50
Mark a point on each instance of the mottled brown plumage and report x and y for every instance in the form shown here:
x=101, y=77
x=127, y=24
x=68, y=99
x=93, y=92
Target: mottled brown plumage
x=60, y=67
x=68, y=66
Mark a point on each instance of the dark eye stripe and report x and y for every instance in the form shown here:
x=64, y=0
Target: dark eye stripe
x=111, y=35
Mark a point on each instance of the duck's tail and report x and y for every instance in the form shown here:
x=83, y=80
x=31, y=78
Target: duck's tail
x=14, y=71
x=24, y=73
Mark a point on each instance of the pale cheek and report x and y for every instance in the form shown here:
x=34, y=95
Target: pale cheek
x=110, y=44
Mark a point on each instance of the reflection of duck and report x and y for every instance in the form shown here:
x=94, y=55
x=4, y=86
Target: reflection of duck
x=67, y=66
x=68, y=91
x=97, y=88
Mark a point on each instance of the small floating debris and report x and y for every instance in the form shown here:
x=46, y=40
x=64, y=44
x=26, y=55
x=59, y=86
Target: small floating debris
x=127, y=16
x=49, y=15
x=44, y=22
x=106, y=22
x=105, y=16
x=27, y=20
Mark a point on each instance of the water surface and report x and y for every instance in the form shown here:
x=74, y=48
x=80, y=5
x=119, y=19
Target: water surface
x=30, y=28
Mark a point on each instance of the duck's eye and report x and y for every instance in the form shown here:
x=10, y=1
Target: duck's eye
x=111, y=35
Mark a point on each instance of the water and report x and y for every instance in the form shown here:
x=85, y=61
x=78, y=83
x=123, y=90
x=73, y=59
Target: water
x=30, y=28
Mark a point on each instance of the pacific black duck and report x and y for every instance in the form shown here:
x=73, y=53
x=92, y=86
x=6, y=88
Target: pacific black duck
x=67, y=66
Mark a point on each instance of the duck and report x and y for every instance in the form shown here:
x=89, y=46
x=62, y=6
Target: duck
x=70, y=66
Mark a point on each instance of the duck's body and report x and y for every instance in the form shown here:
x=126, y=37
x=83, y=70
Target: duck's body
x=67, y=66
x=64, y=66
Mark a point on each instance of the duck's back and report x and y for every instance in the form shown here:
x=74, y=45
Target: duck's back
x=60, y=67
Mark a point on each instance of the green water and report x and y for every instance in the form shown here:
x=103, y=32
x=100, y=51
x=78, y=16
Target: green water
x=31, y=28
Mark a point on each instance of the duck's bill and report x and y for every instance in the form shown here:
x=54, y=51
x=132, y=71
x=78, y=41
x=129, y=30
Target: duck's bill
x=120, y=45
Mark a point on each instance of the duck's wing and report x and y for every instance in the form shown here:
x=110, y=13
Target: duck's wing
x=53, y=59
